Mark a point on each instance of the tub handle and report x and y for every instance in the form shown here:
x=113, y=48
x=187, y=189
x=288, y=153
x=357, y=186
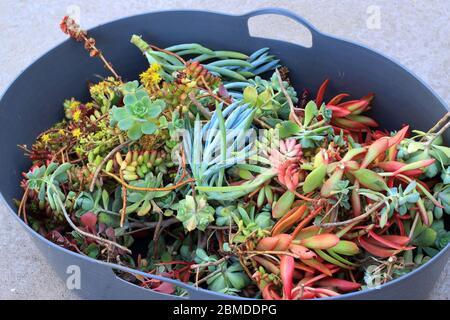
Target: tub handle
x=287, y=13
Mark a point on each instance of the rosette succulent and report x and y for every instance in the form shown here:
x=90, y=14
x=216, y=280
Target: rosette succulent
x=140, y=114
x=195, y=213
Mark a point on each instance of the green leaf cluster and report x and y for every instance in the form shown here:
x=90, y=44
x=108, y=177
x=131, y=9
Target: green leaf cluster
x=46, y=181
x=140, y=201
x=194, y=213
x=231, y=278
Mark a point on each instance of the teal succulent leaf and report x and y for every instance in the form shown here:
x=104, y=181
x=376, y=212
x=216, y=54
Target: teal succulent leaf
x=224, y=215
x=232, y=277
x=148, y=128
x=125, y=124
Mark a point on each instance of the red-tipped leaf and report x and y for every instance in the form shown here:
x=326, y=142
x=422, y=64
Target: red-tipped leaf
x=340, y=284
x=375, y=149
x=375, y=250
x=338, y=112
x=302, y=252
x=321, y=93
x=286, y=274
x=321, y=241
x=316, y=264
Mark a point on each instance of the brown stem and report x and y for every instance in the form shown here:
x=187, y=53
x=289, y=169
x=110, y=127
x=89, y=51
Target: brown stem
x=413, y=227
x=128, y=186
x=123, y=212
x=209, y=264
x=156, y=235
x=108, y=65
x=212, y=274
x=287, y=253
x=22, y=205
x=437, y=125
x=205, y=112
x=440, y=132
x=166, y=51
x=87, y=234
x=100, y=166
x=151, y=225
x=358, y=218
x=288, y=98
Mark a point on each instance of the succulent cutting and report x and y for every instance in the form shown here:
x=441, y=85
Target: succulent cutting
x=211, y=168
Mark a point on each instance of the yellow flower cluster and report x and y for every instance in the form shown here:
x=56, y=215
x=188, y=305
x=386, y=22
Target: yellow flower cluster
x=103, y=87
x=70, y=106
x=76, y=132
x=151, y=76
x=76, y=115
x=74, y=104
x=45, y=137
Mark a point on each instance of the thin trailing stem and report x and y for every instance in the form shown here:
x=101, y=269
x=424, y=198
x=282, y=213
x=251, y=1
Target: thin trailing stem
x=104, y=161
x=84, y=233
x=355, y=219
x=210, y=264
x=205, y=112
x=437, y=125
x=288, y=98
x=439, y=133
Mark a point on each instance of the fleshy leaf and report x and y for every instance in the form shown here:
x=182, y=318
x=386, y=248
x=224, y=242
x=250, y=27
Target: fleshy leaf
x=148, y=128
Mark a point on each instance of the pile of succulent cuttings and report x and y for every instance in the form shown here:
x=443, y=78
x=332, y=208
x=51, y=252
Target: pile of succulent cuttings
x=212, y=170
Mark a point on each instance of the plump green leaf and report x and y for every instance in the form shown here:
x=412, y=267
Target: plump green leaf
x=288, y=129
x=126, y=124
x=315, y=178
x=148, y=128
x=370, y=179
x=250, y=95
x=310, y=112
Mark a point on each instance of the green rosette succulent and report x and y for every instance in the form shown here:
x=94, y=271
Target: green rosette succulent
x=140, y=114
x=195, y=213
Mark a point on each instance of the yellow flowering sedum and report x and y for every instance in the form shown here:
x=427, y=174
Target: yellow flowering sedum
x=76, y=116
x=45, y=137
x=104, y=87
x=151, y=76
x=76, y=132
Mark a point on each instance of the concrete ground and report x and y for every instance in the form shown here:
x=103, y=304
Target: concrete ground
x=413, y=32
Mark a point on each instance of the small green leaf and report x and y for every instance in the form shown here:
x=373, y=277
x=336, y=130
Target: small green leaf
x=310, y=112
x=155, y=109
x=250, y=95
x=370, y=179
x=426, y=238
x=315, y=178
x=383, y=217
x=125, y=124
x=129, y=99
x=148, y=128
x=445, y=150
x=288, y=129
x=119, y=113
x=283, y=204
x=135, y=132
x=62, y=169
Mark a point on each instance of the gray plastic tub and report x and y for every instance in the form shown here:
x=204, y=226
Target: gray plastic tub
x=33, y=103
